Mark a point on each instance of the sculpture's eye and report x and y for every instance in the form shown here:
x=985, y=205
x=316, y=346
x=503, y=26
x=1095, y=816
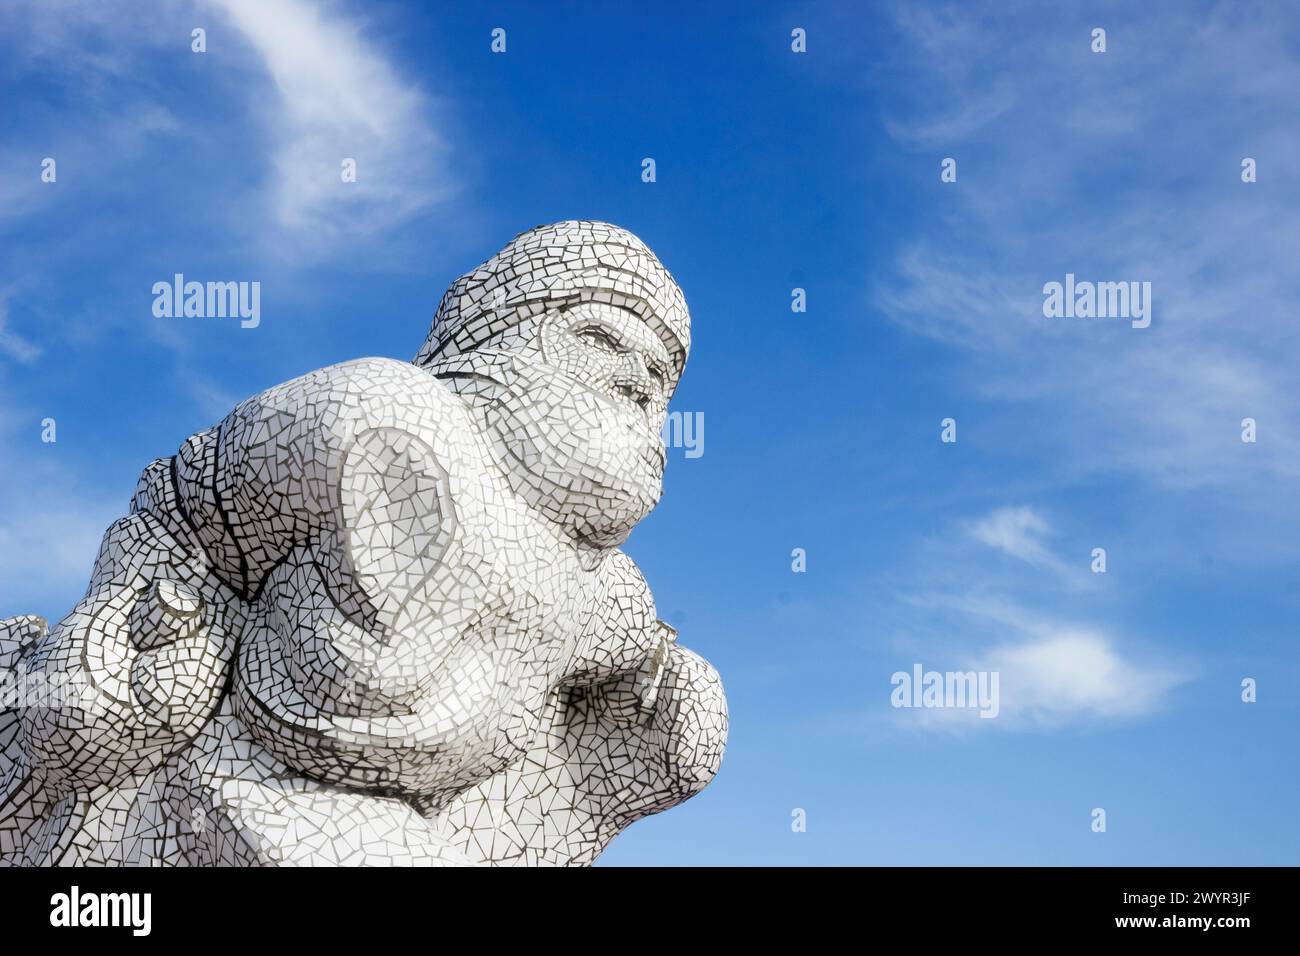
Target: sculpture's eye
x=657, y=373
x=598, y=337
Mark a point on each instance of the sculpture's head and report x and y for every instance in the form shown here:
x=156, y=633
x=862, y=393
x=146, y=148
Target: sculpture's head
x=568, y=343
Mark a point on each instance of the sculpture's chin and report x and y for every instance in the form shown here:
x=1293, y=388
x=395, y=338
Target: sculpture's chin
x=590, y=464
x=609, y=529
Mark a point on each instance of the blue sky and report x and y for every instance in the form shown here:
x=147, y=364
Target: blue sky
x=774, y=170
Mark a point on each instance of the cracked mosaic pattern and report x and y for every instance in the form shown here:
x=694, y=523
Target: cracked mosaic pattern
x=378, y=614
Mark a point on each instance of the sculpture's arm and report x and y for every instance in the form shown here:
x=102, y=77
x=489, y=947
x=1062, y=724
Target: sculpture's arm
x=327, y=503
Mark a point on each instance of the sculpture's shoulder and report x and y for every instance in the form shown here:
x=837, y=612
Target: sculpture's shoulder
x=394, y=403
x=359, y=388
x=325, y=413
x=377, y=373
x=283, y=463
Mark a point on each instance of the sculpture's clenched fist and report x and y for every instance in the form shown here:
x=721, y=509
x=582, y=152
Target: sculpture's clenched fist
x=378, y=614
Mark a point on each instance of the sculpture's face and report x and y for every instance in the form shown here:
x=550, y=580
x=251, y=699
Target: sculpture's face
x=611, y=351
x=580, y=416
x=568, y=344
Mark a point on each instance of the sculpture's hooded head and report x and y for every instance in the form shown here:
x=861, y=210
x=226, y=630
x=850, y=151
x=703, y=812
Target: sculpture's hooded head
x=569, y=342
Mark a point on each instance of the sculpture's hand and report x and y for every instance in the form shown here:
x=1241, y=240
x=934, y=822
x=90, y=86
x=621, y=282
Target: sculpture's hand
x=645, y=718
x=649, y=740
x=612, y=754
x=176, y=675
x=639, y=727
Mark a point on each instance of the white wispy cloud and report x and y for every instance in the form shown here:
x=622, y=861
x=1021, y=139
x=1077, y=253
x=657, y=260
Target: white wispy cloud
x=1066, y=674
x=1019, y=532
x=1043, y=624
x=335, y=95
x=13, y=345
x=318, y=84
x=1052, y=671
x=1119, y=166
x=942, y=129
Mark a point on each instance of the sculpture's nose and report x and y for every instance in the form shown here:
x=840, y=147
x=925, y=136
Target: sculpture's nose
x=633, y=380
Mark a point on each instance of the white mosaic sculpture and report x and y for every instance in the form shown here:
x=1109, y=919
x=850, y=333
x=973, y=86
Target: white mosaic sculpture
x=378, y=615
